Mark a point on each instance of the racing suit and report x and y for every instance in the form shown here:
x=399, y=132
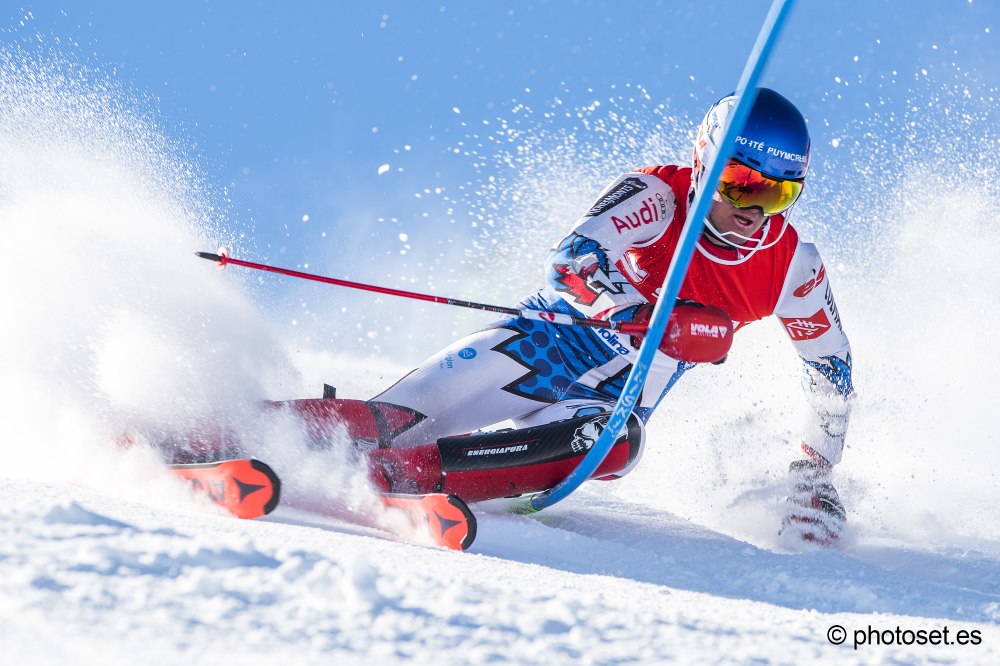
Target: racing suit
x=612, y=261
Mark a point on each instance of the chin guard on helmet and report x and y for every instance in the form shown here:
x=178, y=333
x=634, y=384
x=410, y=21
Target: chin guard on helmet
x=770, y=161
x=744, y=246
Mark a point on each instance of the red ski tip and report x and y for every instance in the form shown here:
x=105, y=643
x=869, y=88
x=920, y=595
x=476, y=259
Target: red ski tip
x=446, y=519
x=245, y=488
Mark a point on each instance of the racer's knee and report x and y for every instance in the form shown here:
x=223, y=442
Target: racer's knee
x=626, y=453
x=623, y=456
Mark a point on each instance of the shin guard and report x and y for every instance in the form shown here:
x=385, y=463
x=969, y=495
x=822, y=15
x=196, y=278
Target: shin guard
x=505, y=463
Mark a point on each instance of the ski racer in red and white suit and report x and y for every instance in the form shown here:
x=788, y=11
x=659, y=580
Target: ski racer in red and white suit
x=610, y=266
x=617, y=256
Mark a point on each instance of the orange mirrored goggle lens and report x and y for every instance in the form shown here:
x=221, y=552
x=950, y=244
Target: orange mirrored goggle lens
x=745, y=187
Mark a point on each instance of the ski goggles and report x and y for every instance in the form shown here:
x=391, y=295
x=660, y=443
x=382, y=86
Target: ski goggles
x=745, y=187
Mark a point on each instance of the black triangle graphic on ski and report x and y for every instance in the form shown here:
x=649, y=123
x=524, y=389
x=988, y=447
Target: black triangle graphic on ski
x=247, y=488
x=446, y=524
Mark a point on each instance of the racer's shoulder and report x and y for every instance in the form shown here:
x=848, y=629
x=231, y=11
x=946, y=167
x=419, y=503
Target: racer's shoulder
x=671, y=174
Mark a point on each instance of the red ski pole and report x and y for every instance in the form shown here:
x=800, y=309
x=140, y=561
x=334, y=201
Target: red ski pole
x=628, y=328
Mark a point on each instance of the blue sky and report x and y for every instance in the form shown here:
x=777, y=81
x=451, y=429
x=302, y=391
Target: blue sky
x=280, y=98
x=290, y=108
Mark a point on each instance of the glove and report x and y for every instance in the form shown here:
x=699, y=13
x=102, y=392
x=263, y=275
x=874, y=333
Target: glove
x=695, y=333
x=814, y=510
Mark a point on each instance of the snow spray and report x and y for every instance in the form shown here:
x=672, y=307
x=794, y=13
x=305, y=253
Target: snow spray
x=110, y=325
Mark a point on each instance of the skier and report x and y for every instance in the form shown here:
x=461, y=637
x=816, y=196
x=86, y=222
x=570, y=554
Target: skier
x=749, y=264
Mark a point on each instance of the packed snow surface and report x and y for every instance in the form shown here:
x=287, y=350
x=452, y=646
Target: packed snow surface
x=90, y=579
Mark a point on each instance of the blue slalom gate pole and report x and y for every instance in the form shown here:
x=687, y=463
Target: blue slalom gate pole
x=678, y=267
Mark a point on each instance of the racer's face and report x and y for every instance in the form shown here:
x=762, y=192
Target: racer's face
x=732, y=222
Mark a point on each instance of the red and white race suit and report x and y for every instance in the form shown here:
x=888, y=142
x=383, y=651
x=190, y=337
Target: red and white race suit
x=614, y=260
x=637, y=223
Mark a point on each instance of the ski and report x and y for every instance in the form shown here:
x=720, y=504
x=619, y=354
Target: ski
x=446, y=519
x=246, y=488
